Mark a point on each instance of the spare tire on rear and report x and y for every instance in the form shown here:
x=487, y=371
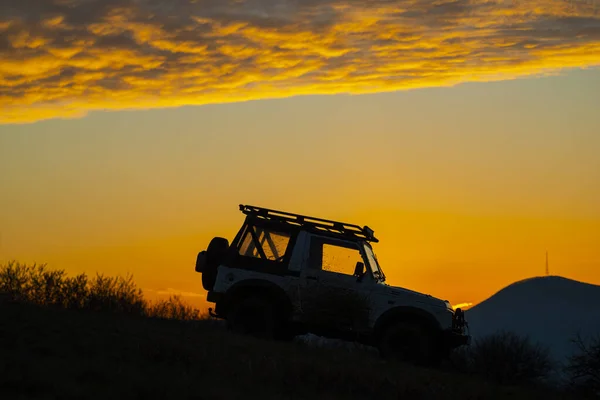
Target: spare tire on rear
x=201, y=261
x=216, y=252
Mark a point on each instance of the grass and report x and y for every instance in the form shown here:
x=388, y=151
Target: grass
x=65, y=349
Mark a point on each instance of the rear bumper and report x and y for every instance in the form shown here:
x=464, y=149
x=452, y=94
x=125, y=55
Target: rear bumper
x=213, y=297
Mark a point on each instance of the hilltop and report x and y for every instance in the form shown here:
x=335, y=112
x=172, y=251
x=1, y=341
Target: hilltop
x=550, y=310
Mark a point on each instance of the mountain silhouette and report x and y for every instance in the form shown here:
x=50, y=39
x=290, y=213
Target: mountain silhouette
x=550, y=310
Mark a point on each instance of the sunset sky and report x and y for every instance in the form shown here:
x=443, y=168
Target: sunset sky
x=466, y=133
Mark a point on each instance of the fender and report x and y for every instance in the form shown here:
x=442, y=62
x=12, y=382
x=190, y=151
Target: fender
x=405, y=313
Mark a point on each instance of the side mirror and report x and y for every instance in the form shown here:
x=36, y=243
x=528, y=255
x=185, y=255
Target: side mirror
x=359, y=271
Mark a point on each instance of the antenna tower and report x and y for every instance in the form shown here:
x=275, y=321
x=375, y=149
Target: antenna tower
x=547, y=268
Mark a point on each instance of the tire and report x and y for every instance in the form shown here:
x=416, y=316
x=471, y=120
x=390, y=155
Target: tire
x=200, y=261
x=253, y=316
x=215, y=253
x=408, y=341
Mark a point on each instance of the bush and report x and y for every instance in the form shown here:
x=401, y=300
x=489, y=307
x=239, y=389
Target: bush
x=39, y=285
x=115, y=294
x=583, y=368
x=173, y=308
x=34, y=283
x=505, y=358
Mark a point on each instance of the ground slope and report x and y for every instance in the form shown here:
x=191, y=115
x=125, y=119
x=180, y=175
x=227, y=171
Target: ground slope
x=550, y=310
x=64, y=354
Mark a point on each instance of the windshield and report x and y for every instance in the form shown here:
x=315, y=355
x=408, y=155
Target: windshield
x=373, y=264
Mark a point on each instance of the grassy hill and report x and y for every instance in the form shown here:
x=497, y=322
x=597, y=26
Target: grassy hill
x=52, y=351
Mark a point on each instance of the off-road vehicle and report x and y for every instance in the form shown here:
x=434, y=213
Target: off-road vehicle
x=286, y=274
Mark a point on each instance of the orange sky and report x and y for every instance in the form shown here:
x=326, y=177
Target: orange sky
x=465, y=135
x=465, y=195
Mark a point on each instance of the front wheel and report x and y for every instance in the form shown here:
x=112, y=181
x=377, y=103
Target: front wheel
x=411, y=342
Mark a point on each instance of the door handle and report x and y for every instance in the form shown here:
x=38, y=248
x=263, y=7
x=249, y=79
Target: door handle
x=313, y=278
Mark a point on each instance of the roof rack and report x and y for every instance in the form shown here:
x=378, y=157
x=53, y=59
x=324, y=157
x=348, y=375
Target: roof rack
x=311, y=223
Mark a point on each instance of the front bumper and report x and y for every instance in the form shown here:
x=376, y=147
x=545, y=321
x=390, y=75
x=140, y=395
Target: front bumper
x=458, y=334
x=452, y=339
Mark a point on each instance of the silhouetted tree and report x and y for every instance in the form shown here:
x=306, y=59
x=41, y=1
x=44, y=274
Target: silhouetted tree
x=583, y=367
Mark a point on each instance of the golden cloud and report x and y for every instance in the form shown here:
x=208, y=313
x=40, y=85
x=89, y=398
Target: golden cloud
x=64, y=58
x=462, y=306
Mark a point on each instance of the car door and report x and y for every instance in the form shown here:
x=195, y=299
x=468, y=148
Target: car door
x=331, y=294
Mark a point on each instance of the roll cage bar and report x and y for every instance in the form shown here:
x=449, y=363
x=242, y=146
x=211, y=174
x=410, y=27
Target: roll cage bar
x=311, y=224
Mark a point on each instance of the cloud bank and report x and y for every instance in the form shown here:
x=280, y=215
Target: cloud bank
x=64, y=58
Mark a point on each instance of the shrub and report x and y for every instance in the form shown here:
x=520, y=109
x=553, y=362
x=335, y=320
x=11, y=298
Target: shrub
x=460, y=359
x=583, y=368
x=505, y=358
x=39, y=285
x=173, y=308
x=75, y=292
x=33, y=283
x=15, y=279
x=115, y=294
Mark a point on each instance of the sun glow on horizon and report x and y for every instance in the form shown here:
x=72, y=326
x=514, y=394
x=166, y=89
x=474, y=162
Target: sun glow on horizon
x=462, y=306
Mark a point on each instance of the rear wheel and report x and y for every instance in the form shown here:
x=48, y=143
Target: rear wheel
x=253, y=316
x=411, y=342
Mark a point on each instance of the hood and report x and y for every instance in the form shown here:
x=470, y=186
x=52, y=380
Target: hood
x=415, y=296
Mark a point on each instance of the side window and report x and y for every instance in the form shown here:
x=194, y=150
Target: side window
x=263, y=243
x=334, y=256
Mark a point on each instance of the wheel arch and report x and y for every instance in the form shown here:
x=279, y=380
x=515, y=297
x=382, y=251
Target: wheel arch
x=405, y=313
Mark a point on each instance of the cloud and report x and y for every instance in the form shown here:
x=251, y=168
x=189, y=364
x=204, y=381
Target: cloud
x=462, y=305
x=64, y=58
